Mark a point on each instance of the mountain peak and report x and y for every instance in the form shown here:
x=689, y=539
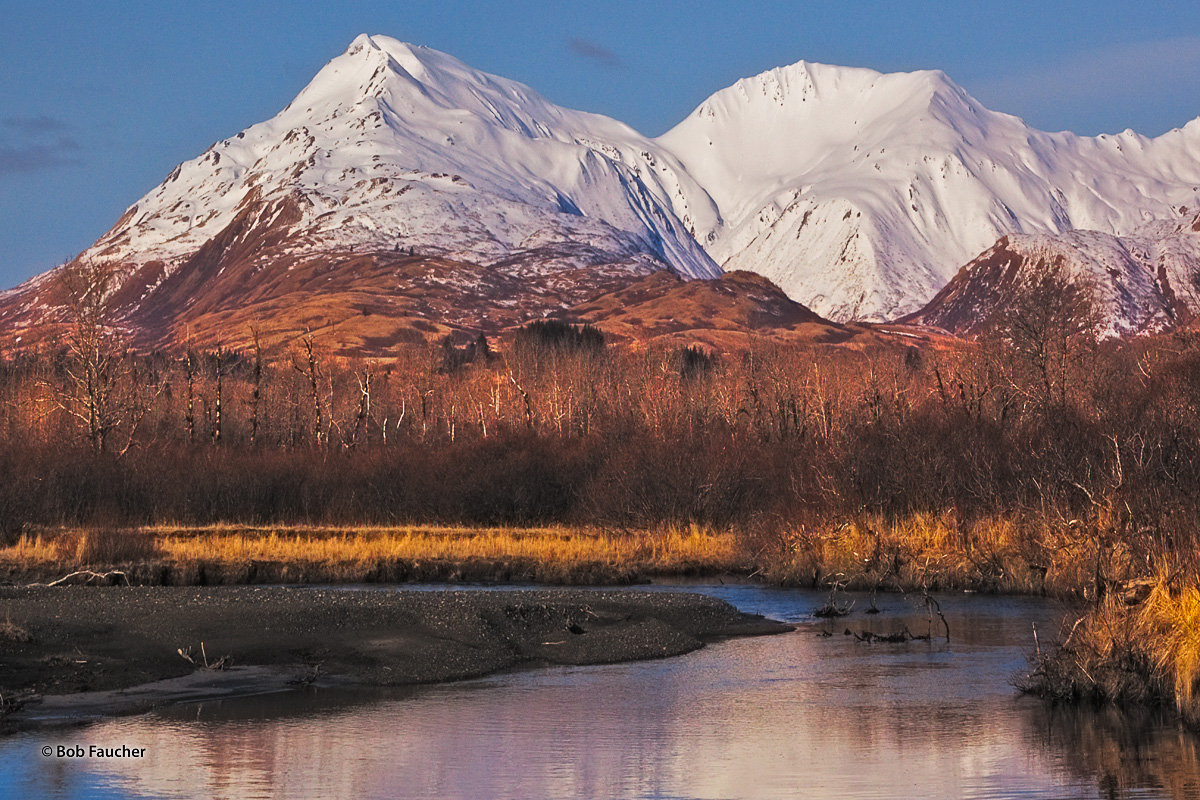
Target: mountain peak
x=366, y=44
x=805, y=81
x=858, y=191
x=415, y=60
x=362, y=42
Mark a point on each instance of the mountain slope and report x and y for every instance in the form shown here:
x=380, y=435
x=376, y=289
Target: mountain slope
x=1146, y=282
x=712, y=311
x=861, y=194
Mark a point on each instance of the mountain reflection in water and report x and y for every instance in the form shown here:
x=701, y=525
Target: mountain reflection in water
x=797, y=715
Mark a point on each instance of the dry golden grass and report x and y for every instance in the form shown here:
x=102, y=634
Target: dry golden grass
x=934, y=551
x=658, y=550
x=350, y=552
x=1170, y=623
x=94, y=547
x=107, y=546
x=1002, y=553
x=31, y=550
x=1144, y=652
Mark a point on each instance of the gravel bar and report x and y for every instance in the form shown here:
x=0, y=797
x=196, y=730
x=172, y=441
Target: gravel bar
x=77, y=652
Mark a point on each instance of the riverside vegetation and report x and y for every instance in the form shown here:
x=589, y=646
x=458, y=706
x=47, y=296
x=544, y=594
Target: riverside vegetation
x=1035, y=459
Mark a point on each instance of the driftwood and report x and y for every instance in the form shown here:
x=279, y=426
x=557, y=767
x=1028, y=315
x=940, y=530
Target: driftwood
x=832, y=609
x=1135, y=592
x=15, y=701
x=222, y=663
x=91, y=576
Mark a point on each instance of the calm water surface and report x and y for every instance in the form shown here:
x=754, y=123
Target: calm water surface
x=799, y=715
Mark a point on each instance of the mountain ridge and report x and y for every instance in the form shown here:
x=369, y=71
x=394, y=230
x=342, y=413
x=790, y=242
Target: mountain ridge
x=900, y=179
x=859, y=193
x=464, y=145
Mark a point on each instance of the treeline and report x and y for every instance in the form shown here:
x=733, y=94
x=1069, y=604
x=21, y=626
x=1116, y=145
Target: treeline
x=562, y=428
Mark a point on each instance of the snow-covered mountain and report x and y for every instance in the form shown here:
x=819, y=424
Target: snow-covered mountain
x=1145, y=282
x=861, y=194
x=397, y=146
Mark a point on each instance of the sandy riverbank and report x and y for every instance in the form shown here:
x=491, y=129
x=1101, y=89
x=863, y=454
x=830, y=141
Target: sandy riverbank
x=86, y=651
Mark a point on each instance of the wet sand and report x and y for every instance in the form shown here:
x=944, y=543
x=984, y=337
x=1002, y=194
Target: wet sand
x=96, y=651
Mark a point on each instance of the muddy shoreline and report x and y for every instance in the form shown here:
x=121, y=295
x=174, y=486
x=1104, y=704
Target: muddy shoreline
x=78, y=652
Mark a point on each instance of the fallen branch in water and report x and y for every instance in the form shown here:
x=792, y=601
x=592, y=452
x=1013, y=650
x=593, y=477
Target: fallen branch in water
x=889, y=638
x=832, y=609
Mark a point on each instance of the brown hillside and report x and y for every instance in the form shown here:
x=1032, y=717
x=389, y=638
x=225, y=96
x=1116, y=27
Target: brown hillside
x=739, y=303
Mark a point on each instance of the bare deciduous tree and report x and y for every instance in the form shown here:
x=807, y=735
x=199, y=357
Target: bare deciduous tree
x=256, y=395
x=96, y=349
x=308, y=363
x=1052, y=324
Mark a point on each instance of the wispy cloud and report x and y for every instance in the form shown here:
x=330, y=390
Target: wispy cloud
x=23, y=159
x=1163, y=73
x=35, y=126
x=594, y=52
x=33, y=144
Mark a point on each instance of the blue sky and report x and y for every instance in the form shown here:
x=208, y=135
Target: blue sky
x=99, y=101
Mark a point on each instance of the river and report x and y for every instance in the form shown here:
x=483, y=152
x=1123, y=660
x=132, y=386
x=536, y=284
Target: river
x=801, y=715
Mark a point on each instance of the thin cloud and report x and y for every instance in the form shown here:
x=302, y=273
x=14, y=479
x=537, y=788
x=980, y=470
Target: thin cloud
x=30, y=144
x=594, y=52
x=1113, y=77
x=23, y=159
x=40, y=125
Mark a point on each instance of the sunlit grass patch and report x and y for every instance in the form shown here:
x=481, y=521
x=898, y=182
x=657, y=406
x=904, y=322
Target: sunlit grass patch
x=352, y=553
x=1129, y=652
x=935, y=551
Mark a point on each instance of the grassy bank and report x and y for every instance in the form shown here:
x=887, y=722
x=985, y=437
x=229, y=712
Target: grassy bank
x=238, y=554
x=1080, y=558
x=1007, y=554
x=1137, y=648
x=1137, y=641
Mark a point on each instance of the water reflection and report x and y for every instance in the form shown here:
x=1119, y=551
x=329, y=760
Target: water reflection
x=1123, y=753
x=790, y=716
